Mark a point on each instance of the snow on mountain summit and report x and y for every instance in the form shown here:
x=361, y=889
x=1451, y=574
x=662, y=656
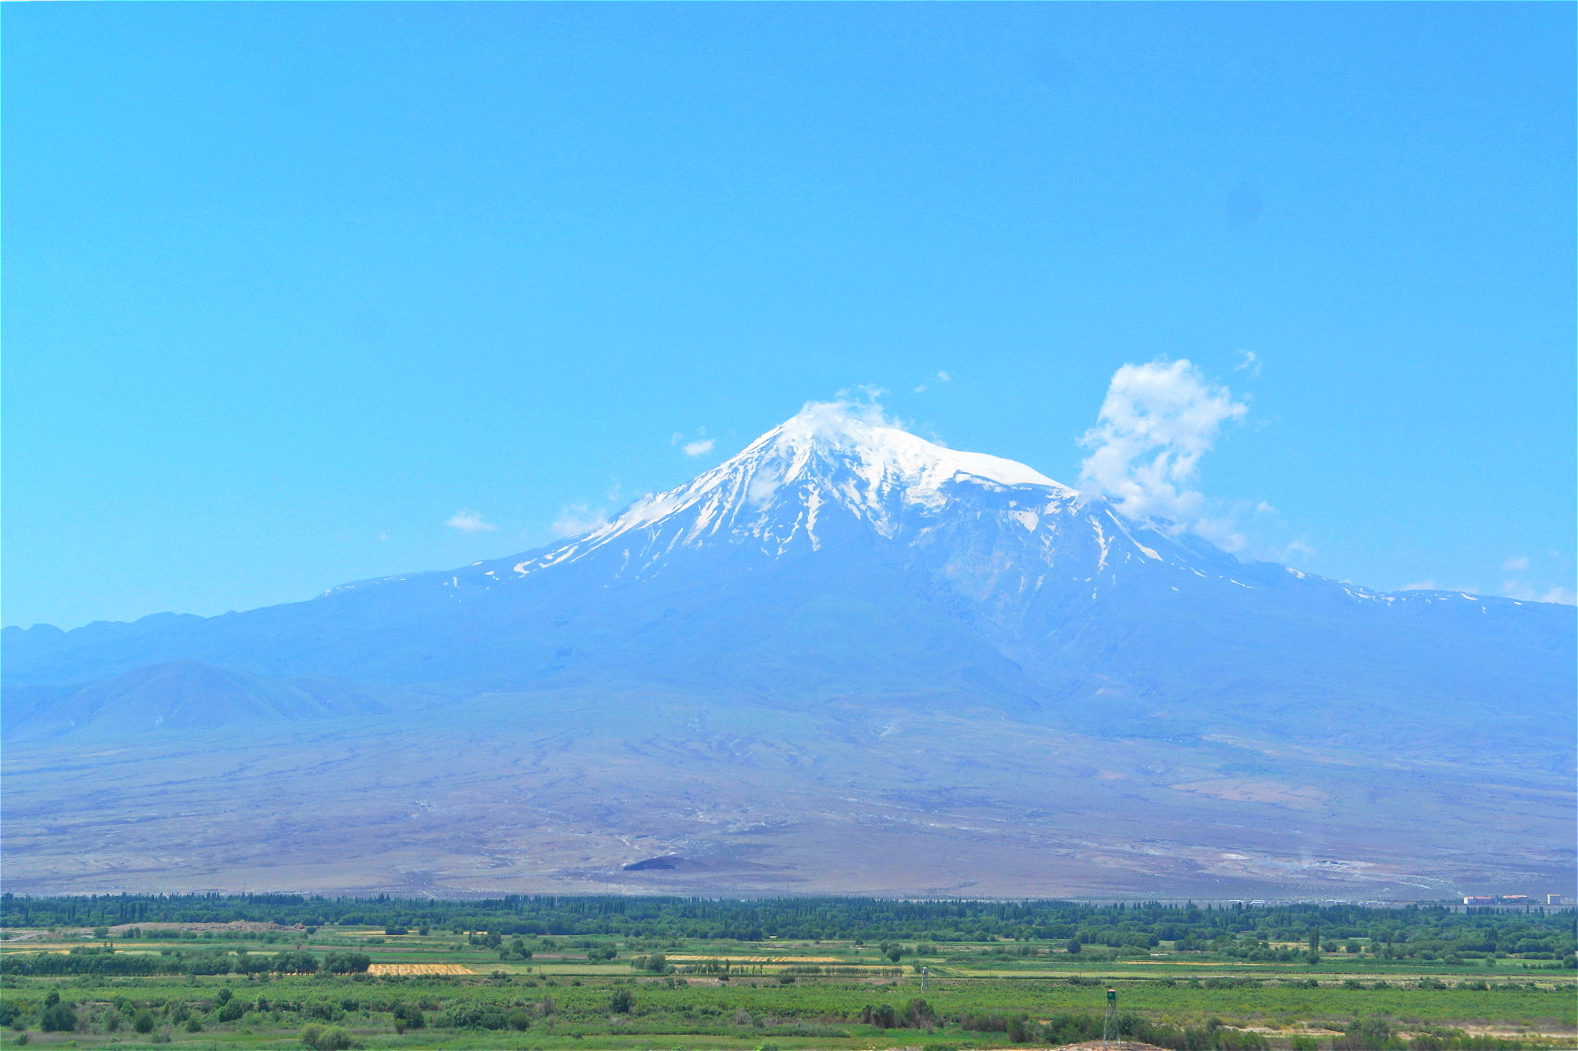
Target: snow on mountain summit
x=880, y=451
x=824, y=460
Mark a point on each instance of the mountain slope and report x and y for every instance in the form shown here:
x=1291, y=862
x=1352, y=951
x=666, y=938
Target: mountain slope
x=836, y=557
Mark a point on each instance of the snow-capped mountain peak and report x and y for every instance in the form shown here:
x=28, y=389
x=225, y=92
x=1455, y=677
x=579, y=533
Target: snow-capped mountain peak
x=881, y=453
x=825, y=460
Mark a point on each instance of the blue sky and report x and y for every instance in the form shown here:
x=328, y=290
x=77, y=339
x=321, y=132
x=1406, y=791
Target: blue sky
x=301, y=294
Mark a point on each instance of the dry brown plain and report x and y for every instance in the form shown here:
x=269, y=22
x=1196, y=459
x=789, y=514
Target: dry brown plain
x=536, y=796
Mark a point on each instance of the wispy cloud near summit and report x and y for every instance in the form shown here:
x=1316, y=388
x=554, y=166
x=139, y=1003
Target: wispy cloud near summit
x=579, y=518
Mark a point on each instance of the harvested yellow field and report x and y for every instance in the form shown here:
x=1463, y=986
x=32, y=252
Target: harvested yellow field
x=418, y=968
x=684, y=958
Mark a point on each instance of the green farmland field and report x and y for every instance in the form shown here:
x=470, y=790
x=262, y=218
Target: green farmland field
x=259, y=984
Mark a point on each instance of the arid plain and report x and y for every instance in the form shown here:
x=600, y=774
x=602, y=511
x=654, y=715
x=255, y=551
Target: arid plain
x=537, y=794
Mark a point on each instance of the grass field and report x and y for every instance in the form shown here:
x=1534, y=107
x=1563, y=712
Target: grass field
x=441, y=990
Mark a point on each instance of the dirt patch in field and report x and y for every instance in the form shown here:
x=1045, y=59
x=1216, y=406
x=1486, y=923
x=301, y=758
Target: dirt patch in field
x=418, y=968
x=693, y=958
x=246, y=926
x=1505, y=1032
x=1244, y=791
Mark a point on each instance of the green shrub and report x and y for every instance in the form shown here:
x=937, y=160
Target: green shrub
x=408, y=1017
x=473, y=1016
x=341, y=962
x=57, y=1018
x=332, y=1038
x=295, y=961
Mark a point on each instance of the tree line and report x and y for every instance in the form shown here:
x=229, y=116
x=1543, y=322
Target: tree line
x=110, y=963
x=1240, y=930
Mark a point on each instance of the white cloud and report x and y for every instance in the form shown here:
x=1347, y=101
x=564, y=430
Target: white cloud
x=698, y=445
x=1525, y=592
x=1158, y=419
x=921, y=389
x=1263, y=508
x=1297, y=549
x=1523, y=589
x=579, y=518
x=944, y=377
x=1247, y=362
x=469, y=522
x=856, y=403
x=1431, y=585
x=1223, y=532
